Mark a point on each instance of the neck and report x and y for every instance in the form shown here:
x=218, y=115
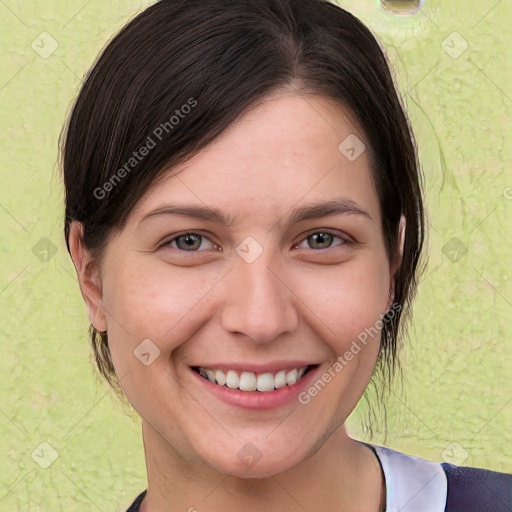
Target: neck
x=340, y=474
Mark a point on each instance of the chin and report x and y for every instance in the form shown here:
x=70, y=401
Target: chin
x=235, y=469
x=249, y=462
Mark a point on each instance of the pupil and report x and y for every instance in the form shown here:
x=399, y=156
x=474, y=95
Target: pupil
x=189, y=241
x=319, y=236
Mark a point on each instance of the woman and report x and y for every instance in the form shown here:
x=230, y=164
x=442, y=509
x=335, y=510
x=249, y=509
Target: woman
x=245, y=215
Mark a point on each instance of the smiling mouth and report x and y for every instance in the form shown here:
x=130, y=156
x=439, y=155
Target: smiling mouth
x=252, y=381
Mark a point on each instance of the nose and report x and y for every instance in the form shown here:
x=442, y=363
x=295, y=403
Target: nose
x=259, y=302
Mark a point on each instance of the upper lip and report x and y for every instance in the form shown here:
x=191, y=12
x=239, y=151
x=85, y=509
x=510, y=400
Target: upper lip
x=256, y=368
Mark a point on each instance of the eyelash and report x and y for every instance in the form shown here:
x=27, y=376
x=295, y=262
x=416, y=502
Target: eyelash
x=345, y=240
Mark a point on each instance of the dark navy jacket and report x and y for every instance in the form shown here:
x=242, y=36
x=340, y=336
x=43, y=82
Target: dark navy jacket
x=477, y=490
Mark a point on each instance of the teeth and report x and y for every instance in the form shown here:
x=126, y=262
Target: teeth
x=280, y=379
x=265, y=382
x=220, y=377
x=250, y=381
x=291, y=377
x=232, y=380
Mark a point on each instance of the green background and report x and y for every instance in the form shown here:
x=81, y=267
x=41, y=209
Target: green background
x=456, y=404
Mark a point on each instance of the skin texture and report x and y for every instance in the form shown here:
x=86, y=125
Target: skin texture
x=297, y=300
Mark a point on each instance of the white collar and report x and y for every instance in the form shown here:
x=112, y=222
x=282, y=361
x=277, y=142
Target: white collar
x=412, y=484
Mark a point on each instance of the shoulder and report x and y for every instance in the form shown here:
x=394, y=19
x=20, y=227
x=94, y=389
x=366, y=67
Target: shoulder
x=475, y=489
x=414, y=484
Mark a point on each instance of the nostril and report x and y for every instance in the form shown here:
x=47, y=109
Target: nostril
x=402, y=7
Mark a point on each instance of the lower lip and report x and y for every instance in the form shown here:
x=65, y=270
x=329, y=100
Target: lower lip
x=259, y=400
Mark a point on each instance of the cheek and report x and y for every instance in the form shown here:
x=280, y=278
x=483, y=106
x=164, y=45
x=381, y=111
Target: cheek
x=154, y=301
x=348, y=299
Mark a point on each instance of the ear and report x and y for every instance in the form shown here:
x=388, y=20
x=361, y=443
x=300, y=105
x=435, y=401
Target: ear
x=398, y=259
x=89, y=277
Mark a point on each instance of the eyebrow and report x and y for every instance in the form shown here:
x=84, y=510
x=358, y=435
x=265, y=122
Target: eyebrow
x=340, y=206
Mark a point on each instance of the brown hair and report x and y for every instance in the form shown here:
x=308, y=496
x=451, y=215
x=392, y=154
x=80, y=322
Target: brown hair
x=226, y=56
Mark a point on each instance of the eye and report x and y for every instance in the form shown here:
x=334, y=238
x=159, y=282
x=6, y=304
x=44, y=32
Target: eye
x=191, y=242
x=323, y=240
x=188, y=242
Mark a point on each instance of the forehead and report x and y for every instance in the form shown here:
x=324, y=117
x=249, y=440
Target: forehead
x=284, y=151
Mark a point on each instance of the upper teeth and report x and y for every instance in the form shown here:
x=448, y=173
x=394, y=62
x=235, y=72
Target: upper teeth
x=250, y=381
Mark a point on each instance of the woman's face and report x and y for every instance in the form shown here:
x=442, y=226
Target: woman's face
x=273, y=285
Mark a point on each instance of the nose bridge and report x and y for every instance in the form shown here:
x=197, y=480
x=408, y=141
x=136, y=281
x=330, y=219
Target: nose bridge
x=259, y=304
